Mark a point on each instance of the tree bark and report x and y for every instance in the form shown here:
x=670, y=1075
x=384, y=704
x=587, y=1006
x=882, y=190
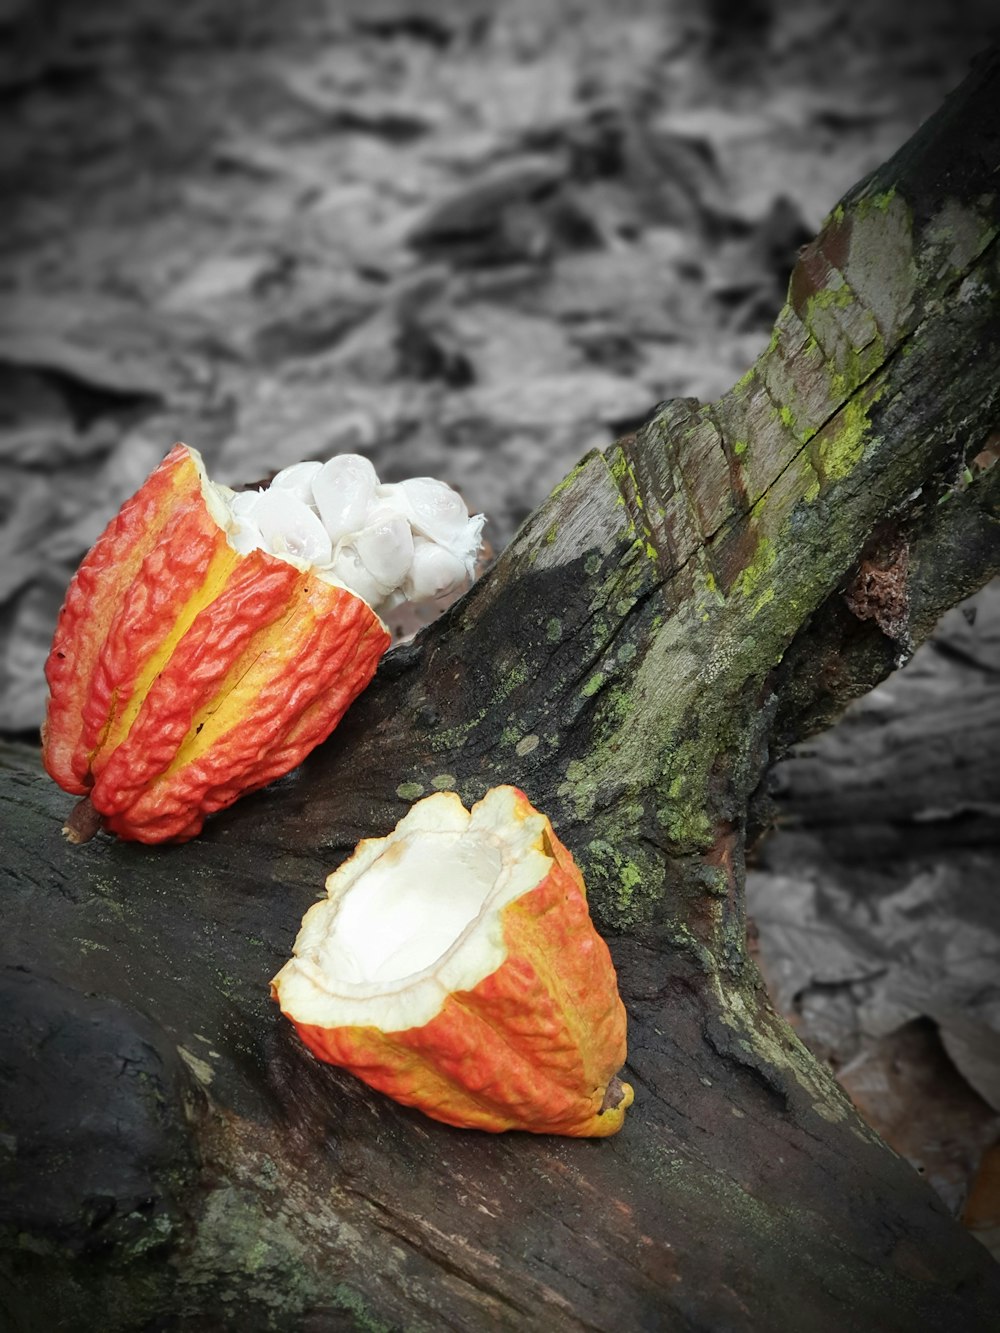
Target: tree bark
x=678, y=612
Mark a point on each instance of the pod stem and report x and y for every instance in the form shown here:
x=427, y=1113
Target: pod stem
x=614, y=1096
x=83, y=823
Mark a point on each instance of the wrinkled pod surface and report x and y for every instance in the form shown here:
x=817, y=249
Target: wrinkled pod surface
x=211, y=639
x=454, y=966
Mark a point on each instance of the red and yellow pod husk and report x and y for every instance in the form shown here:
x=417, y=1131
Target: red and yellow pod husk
x=183, y=673
x=454, y=966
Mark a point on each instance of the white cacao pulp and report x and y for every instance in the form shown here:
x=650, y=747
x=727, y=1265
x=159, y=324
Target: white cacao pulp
x=414, y=916
x=390, y=544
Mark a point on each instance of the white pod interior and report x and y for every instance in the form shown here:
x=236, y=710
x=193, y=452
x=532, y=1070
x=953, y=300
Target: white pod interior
x=412, y=917
x=388, y=544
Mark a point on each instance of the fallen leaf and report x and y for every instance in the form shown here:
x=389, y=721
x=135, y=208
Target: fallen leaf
x=389, y=115
x=982, y=1207
x=26, y=638
x=28, y=521
x=86, y=341
x=907, y=1089
x=217, y=277
x=801, y=944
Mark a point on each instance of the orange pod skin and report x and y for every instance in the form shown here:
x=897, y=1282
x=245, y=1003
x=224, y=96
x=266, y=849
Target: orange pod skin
x=536, y=1045
x=183, y=674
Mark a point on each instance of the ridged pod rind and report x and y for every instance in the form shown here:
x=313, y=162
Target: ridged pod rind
x=183, y=674
x=535, y=1045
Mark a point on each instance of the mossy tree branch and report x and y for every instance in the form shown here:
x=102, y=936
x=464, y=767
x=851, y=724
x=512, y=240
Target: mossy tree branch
x=680, y=609
x=655, y=595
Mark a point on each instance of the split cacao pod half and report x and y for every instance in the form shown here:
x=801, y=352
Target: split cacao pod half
x=185, y=672
x=454, y=966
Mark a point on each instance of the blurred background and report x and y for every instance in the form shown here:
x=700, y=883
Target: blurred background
x=475, y=239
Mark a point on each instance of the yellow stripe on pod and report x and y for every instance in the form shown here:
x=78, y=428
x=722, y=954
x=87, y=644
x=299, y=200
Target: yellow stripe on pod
x=183, y=672
x=93, y=597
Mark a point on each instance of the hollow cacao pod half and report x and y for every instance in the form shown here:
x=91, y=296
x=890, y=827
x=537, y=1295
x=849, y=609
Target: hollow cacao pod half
x=454, y=966
x=211, y=639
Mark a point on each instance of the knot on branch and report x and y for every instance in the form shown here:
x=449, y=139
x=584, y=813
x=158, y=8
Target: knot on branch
x=878, y=591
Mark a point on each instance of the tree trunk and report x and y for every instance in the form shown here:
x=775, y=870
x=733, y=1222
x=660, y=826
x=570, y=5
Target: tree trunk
x=678, y=612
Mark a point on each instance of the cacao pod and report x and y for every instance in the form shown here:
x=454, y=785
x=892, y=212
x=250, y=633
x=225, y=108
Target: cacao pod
x=185, y=672
x=454, y=966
